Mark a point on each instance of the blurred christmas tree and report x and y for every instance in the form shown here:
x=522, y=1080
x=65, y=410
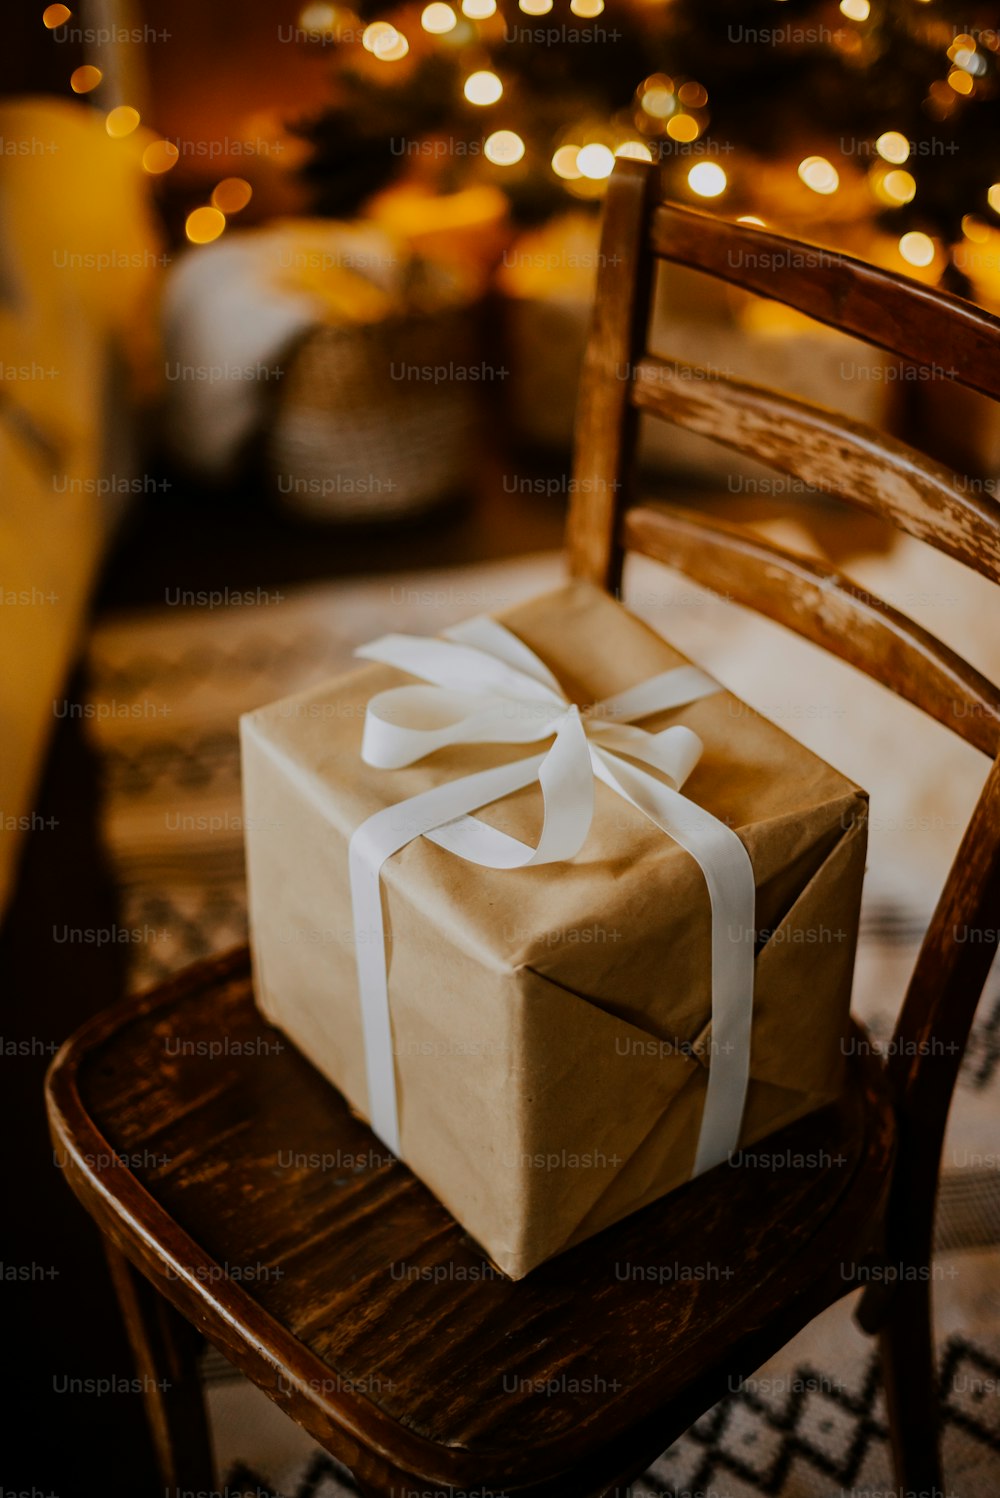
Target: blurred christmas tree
x=803, y=113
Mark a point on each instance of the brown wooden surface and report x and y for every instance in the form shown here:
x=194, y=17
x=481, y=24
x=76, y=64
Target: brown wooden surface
x=825, y=607
x=339, y=1284
x=166, y=1349
x=893, y=312
x=606, y=421
x=837, y=456
x=928, y=1045
x=956, y=341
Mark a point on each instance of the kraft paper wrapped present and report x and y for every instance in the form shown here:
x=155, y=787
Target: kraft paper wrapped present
x=554, y=1041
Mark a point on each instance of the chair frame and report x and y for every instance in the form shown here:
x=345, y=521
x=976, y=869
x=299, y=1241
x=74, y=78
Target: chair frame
x=889, y=1208
x=887, y=479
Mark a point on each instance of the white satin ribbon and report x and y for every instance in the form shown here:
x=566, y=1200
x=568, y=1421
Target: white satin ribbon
x=487, y=687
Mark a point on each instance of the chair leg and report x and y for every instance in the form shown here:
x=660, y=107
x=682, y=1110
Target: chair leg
x=165, y=1348
x=908, y=1373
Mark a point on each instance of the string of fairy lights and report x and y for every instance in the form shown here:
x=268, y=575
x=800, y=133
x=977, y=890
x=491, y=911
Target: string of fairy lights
x=229, y=196
x=662, y=112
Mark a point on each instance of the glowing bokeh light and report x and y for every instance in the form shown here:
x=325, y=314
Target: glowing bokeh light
x=483, y=88
x=232, y=194
x=707, y=179
x=121, y=121
x=564, y=163
x=159, y=156
x=917, y=248
x=503, y=148
x=595, y=161
x=892, y=146
x=819, y=174
x=634, y=150
x=438, y=18
x=204, y=224
x=82, y=80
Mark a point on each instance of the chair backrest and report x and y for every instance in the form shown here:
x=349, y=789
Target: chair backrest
x=854, y=463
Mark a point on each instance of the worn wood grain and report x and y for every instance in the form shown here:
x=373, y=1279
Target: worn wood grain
x=955, y=341
x=825, y=607
x=235, y=1177
x=893, y=312
x=165, y=1347
x=837, y=456
x=606, y=421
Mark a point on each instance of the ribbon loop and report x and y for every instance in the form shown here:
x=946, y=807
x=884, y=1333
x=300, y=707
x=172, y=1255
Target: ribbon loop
x=405, y=724
x=674, y=752
x=448, y=664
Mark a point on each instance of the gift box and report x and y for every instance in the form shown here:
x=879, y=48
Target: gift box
x=558, y=1039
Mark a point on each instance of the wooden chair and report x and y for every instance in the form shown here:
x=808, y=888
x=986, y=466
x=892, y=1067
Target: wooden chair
x=256, y=1208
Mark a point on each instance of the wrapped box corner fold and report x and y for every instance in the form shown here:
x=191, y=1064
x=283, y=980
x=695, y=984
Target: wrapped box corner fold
x=551, y=1027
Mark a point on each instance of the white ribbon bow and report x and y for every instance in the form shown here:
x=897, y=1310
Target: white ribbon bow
x=489, y=688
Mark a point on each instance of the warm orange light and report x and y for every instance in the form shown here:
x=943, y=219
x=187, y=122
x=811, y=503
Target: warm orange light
x=975, y=230
x=693, y=95
x=634, y=150
x=231, y=194
x=392, y=50
x=55, y=15
x=595, y=161
x=683, y=127
x=121, y=121
x=159, y=156
x=438, y=18
x=384, y=41
x=564, y=163
x=819, y=174
x=318, y=18
x=899, y=187
x=917, y=248
x=503, y=148
x=483, y=88
x=892, y=146
x=82, y=80
x=707, y=179
x=659, y=102
x=204, y=224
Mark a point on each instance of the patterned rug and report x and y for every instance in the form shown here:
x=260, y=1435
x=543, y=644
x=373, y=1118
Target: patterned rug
x=167, y=687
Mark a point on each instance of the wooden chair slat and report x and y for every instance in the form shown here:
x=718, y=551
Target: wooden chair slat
x=830, y=453
x=606, y=421
x=892, y=312
x=827, y=608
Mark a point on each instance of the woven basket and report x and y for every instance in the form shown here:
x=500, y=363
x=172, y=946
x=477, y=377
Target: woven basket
x=378, y=421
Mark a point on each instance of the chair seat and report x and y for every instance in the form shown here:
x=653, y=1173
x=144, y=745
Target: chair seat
x=239, y=1180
